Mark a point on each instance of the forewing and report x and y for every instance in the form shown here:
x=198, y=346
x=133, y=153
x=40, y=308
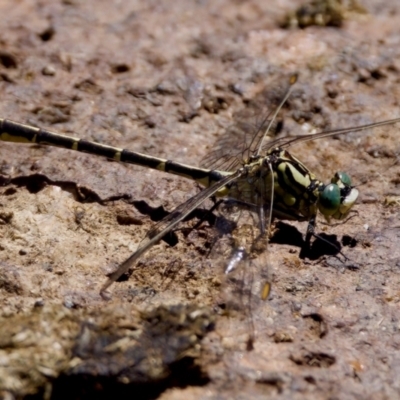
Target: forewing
x=285, y=142
x=242, y=140
x=167, y=224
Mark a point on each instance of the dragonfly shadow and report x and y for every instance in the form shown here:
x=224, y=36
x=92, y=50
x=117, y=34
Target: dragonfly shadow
x=322, y=245
x=287, y=234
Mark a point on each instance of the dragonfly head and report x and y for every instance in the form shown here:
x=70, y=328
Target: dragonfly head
x=337, y=198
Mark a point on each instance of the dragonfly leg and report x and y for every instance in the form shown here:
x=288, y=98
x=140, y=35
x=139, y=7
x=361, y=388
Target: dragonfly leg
x=310, y=231
x=306, y=249
x=207, y=214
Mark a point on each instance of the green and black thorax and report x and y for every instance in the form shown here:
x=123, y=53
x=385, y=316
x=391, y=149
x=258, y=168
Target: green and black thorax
x=295, y=191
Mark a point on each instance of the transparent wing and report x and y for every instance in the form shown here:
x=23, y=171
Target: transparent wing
x=241, y=252
x=237, y=145
x=244, y=140
x=285, y=142
x=167, y=225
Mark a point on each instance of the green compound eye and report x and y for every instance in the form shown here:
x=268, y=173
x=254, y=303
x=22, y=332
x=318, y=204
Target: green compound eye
x=341, y=177
x=329, y=199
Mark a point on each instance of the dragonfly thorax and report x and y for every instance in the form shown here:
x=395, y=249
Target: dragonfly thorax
x=295, y=191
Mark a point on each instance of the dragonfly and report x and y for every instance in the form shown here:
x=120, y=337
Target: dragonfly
x=246, y=170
